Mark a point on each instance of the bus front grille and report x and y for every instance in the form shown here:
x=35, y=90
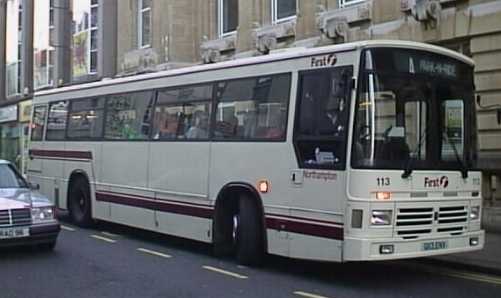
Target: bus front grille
x=415, y=222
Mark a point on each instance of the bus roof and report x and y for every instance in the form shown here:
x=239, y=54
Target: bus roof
x=286, y=54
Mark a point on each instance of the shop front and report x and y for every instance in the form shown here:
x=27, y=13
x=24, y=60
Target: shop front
x=9, y=134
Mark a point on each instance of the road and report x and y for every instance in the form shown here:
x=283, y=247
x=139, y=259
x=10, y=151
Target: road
x=114, y=261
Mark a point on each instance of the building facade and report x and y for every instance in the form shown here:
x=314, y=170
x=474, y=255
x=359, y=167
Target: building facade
x=52, y=43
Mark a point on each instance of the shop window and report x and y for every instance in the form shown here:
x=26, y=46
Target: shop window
x=252, y=109
x=128, y=116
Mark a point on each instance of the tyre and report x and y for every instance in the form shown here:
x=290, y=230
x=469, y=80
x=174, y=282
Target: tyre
x=79, y=205
x=249, y=233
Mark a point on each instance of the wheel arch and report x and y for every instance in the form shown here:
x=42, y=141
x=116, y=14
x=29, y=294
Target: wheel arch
x=73, y=177
x=227, y=194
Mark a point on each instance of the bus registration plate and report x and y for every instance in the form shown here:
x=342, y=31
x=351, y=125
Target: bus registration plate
x=14, y=233
x=435, y=245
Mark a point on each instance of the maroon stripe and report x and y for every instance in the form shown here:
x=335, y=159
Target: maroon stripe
x=156, y=205
x=305, y=228
x=307, y=219
x=151, y=198
x=61, y=154
x=286, y=224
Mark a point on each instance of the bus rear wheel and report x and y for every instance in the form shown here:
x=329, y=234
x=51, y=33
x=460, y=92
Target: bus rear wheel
x=249, y=233
x=79, y=204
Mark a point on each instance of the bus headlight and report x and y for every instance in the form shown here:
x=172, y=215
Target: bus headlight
x=381, y=217
x=475, y=213
x=42, y=214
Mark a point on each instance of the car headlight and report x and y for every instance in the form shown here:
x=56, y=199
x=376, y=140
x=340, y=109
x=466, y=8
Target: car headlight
x=475, y=213
x=381, y=217
x=42, y=214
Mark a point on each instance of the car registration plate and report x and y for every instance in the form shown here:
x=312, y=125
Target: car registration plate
x=14, y=233
x=435, y=245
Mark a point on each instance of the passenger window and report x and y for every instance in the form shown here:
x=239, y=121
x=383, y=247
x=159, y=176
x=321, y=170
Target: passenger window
x=128, y=116
x=38, y=123
x=183, y=113
x=322, y=118
x=86, y=118
x=253, y=109
x=56, y=123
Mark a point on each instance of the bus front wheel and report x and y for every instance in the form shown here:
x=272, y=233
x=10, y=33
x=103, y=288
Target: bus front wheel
x=249, y=238
x=79, y=203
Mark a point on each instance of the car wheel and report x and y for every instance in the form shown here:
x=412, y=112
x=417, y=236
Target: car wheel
x=249, y=233
x=79, y=205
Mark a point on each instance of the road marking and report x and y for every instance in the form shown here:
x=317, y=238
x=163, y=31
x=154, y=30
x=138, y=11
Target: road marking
x=103, y=238
x=68, y=228
x=109, y=234
x=309, y=295
x=236, y=275
x=155, y=253
x=461, y=274
x=472, y=276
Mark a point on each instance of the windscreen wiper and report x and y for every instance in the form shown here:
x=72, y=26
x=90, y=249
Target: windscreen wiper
x=408, y=166
x=463, y=169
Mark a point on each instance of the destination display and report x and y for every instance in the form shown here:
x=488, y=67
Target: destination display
x=416, y=62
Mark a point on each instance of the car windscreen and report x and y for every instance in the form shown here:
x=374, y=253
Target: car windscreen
x=10, y=178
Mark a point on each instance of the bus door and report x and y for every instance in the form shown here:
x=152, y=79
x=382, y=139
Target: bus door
x=320, y=142
x=37, y=128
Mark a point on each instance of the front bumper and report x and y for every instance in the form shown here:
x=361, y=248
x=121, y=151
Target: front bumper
x=39, y=234
x=359, y=249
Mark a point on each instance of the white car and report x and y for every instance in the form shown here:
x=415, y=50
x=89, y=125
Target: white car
x=26, y=216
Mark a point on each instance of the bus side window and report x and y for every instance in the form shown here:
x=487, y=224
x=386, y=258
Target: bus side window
x=322, y=118
x=38, y=123
x=183, y=113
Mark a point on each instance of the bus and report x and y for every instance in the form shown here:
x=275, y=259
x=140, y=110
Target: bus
x=361, y=151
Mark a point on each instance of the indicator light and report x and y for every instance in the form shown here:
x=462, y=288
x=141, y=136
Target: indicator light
x=383, y=195
x=263, y=186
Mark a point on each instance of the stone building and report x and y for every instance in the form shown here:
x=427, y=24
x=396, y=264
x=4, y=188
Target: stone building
x=88, y=40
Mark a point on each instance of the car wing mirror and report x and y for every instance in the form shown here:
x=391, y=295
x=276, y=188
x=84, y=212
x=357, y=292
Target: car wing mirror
x=34, y=186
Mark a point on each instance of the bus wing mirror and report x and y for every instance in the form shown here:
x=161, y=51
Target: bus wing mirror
x=499, y=116
x=479, y=100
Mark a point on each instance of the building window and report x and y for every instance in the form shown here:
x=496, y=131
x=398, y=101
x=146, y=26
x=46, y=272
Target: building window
x=14, y=47
x=227, y=16
x=43, y=50
x=85, y=37
x=144, y=23
x=346, y=3
x=283, y=10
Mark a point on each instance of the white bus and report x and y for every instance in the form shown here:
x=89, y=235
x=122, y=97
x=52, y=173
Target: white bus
x=361, y=151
